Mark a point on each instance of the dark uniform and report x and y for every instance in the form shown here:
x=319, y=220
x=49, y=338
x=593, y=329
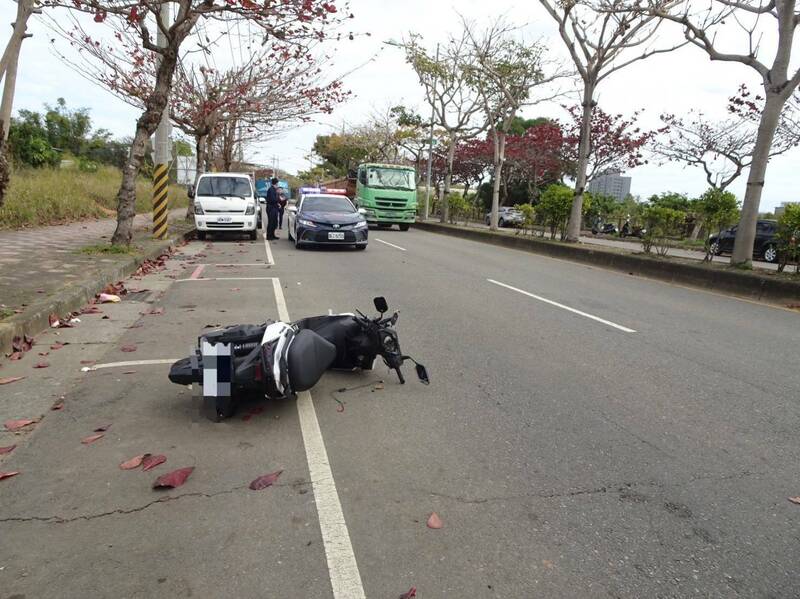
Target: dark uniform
x=273, y=210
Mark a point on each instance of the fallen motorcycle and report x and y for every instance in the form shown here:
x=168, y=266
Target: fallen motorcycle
x=277, y=360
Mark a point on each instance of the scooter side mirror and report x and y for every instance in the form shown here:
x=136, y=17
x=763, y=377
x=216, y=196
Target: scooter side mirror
x=380, y=304
x=422, y=374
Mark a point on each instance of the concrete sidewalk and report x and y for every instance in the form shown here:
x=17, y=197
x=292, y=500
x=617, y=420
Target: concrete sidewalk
x=40, y=267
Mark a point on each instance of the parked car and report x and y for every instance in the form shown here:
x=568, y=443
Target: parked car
x=224, y=202
x=506, y=217
x=765, y=247
x=326, y=219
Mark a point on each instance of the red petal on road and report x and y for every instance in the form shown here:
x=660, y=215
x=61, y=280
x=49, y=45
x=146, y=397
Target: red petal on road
x=262, y=482
x=795, y=500
x=434, y=521
x=57, y=345
x=235, y=289
x=134, y=462
x=9, y=449
x=151, y=461
x=15, y=425
x=102, y=429
x=53, y=319
x=412, y=592
x=128, y=348
x=92, y=438
x=8, y=474
x=42, y=365
x=17, y=355
x=173, y=479
x=7, y=380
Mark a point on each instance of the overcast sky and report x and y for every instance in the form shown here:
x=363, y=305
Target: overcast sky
x=674, y=82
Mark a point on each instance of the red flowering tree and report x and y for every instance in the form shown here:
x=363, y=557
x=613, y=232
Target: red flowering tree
x=537, y=155
x=472, y=162
x=617, y=143
x=125, y=64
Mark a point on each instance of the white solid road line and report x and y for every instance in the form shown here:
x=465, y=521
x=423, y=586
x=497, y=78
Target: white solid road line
x=223, y=279
x=563, y=307
x=342, y=566
x=391, y=244
x=129, y=363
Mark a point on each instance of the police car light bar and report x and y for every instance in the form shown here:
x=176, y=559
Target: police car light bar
x=310, y=190
x=335, y=190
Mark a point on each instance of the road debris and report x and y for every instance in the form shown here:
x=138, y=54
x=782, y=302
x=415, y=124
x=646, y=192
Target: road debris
x=434, y=521
x=173, y=479
x=15, y=425
x=150, y=461
x=92, y=438
x=262, y=482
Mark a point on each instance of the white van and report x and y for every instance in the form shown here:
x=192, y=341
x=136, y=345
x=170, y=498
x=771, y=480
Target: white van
x=225, y=202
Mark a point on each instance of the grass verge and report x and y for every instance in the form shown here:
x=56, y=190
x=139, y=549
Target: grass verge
x=109, y=249
x=37, y=197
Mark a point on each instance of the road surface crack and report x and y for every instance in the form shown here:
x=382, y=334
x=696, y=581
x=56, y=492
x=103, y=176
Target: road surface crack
x=87, y=517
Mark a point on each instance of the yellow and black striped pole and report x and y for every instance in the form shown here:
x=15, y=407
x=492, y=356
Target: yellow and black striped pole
x=160, y=200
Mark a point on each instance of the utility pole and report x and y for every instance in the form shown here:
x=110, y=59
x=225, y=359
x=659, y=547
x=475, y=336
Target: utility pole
x=161, y=149
x=426, y=212
x=10, y=60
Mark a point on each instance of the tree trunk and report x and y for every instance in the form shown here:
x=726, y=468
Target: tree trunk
x=499, y=158
x=146, y=125
x=200, y=153
x=698, y=225
x=448, y=177
x=576, y=215
x=746, y=232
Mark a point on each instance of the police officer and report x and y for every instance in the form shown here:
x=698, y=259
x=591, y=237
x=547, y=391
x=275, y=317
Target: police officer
x=273, y=209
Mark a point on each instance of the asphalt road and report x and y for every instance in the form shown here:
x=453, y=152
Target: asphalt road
x=586, y=434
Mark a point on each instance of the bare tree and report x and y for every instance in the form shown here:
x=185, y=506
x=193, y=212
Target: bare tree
x=445, y=77
x=286, y=27
x=779, y=78
x=503, y=70
x=602, y=36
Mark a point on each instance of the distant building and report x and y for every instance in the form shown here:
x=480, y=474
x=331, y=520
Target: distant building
x=782, y=208
x=611, y=184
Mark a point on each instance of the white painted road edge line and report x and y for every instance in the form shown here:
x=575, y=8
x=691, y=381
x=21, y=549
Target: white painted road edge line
x=391, y=244
x=342, y=566
x=563, y=307
x=129, y=363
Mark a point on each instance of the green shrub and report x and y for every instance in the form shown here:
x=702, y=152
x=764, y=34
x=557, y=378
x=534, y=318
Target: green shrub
x=660, y=223
x=555, y=205
x=788, y=237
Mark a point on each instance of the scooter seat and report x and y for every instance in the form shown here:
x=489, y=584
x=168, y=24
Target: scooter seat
x=308, y=357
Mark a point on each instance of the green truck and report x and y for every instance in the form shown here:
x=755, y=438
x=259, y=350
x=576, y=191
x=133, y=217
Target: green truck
x=388, y=193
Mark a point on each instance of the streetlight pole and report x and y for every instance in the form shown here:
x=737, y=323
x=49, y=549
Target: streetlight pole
x=426, y=212
x=161, y=150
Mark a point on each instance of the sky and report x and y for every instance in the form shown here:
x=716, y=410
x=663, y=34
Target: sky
x=675, y=82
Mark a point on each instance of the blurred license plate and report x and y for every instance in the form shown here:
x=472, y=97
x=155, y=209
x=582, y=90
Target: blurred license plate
x=339, y=236
x=224, y=219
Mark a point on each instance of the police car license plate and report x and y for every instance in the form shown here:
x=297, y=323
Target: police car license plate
x=224, y=219
x=336, y=236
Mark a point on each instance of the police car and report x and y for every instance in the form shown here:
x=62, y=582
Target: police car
x=326, y=217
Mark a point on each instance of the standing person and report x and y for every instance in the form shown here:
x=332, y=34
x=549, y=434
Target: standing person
x=273, y=209
x=282, y=201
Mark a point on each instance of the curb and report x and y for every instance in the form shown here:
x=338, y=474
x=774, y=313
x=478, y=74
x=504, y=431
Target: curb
x=761, y=287
x=36, y=317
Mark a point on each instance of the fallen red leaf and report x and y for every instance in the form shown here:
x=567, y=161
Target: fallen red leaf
x=57, y=345
x=434, y=521
x=5, y=450
x=53, y=319
x=235, y=289
x=412, y=592
x=128, y=348
x=795, y=500
x=102, y=429
x=8, y=474
x=262, y=482
x=92, y=438
x=173, y=479
x=41, y=365
x=15, y=425
x=7, y=380
x=151, y=461
x=134, y=462
x=91, y=310
x=129, y=372
x=17, y=355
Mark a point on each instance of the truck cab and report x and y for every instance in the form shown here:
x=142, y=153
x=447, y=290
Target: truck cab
x=224, y=202
x=388, y=194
